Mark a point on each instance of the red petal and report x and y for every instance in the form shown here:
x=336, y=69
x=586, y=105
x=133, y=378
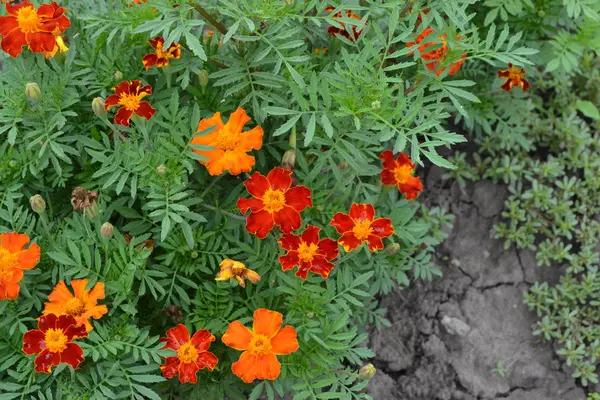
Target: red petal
x=257, y=185
x=134, y=86
x=388, y=159
x=298, y=197
x=171, y=367
x=149, y=60
x=7, y=24
x=65, y=321
x=76, y=331
x=388, y=177
x=525, y=84
x=260, y=223
x=145, y=89
x=111, y=101
x=411, y=188
x=362, y=211
x=255, y=205
x=40, y=42
x=156, y=42
x=46, y=10
x=145, y=110
x=382, y=227
x=47, y=322
x=280, y=179
x=349, y=241
x=506, y=85
x=14, y=42
x=202, y=339
x=321, y=266
x=303, y=268
x=289, y=261
x=342, y=222
x=289, y=241
x=45, y=360
x=122, y=116
x=375, y=243
x=32, y=341
x=503, y=73
x=311, y=235
x=72, y=355
x=176, y=337
x=207, y=360
x=328, y=248
x=122, y=87
x=288, y=219
x=187, y=372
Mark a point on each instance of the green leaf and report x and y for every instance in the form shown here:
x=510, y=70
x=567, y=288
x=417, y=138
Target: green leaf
x=588, y=109
x=310, y=130
x=195, y=45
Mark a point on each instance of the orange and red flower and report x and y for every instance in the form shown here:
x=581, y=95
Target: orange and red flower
x=398, y=172
x=14, y=259
x=434, y=57
x=260, y=345
x=27, y=26
x=274, y=202
x=308, y=252
x=192, y=353
x=161, y=57
x=515, y=76
x=82, y=305
x=361, y=226
x=53, y=341
x=148, y=244
x=231, y=269
x=334, y=30
x=229, y=142
x=129, y=95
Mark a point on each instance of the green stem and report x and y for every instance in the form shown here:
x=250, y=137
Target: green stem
x=220, y=27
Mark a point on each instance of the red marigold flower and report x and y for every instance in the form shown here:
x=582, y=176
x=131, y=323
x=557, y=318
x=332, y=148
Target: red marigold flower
x=361, y=226
x=27, y=26
x=129, y=94
x=333, y=30
x=398, y=172
x=53, y=341
x=308, y=252
x=515, y=77
x=274, y=202
x=260, y=345
x=229, y=142
x=192, y=353
x=14, y=259
x=434, y=57
x=161, y=56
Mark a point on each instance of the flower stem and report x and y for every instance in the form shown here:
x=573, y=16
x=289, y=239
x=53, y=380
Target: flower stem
x=220, y=27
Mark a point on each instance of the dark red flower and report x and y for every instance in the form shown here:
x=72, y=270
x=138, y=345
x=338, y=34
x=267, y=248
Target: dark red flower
x=334, y=30
x=161, y=57
x=308, y=252
x=515, y=76
x=361, y=226
x=128, y=95
x=53, y=341
x=436, y=56
x=398, y=172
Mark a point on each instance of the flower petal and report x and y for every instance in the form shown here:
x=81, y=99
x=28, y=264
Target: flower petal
x=45, y=360
x=13, y=242
x=123, y=87
x=96, y=293
x=145, y=110
x=156, y=42
x=46, y=322
x=187, y=372
x=237, y=336
x=122, y=116
x=321, y=266
x=298, y=197
x=74, y=331
x=32, y=341
x=288, y=219
x=311, y=235
x=237, y=120
x=202, y=339
x=245, y=367
x=374, y=242
x=411, y=187
x=342, y=222
x=176, y=337
x=149, y=60
x=289, y=261
x=40, y=42
x=388, y=177
x=255, y=205
x=280, y=179
x=215, y=121
x=64, y=322
x=207, y=359
x=111, y=101
x=251, y=140
x=72, y=355
x=267, y=322
x=60, y=294
x=260, y=223
x=285, y=342
x=7, y=24
x=171, y=367
x=78, y=286
x=289, y=241
x=328, y=248
x=30, y=257
x=267, y=367
x=362, y=211
x=349, y=241
x=9, y=290
x=388, y=159
x=382, y=227
x=233, y=161
x=257, y=185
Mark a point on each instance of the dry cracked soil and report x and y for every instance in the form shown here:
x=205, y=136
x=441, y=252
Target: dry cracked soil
x=448, y=335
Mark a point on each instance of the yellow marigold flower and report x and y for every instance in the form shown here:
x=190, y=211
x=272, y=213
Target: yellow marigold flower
x=231, y=269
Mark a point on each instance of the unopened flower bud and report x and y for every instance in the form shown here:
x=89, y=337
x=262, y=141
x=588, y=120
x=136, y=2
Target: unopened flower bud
x=203, y=77
x=33, y=91
x=98, y=107
x=118, y=75
x=392, y=249
x=375, y=104
x=107, y=230
x=288, y=160
x=310, y=315
x=368, y=371
x=194, y=254
x=92, y=211
x=161, y=169
x=12, y=163
x=38, y=204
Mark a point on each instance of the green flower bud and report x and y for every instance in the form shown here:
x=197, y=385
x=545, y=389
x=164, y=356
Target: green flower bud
x=392, y=249
x=33, y=91
x=289, y=159
x=92, y=211
x=310, y=315
x=98, y=107
x=107, y=230
x=368, y=371
x=203, y=77
x=38, y=204
x=12, y=163
x=118, y=75
x=161, y=169
x=376, y=104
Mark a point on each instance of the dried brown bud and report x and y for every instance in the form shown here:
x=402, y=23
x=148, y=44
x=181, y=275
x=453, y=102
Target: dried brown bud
x=38, y=204
x=107, y=230
x=83, y=199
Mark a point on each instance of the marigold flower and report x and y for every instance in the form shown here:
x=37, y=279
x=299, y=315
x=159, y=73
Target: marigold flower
x=192, y=353
x=129, y=95
x=361, y=226
x=260, y=345
x=149, y=243
x=60, y=46
x=231, y=269
x=230, y=143
x=161, y=56
x=308, y=252
x=53, y=341
x=82, y=305
x=14, y=259
x=398, y=172
x=515, y=77
x=333, y=30
x=36, y=28
x=274, y=202
x=434, y=57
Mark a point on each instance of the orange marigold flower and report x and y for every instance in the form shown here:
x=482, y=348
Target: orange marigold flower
x=27, y=26
x=229, y=142
x=398, y=172
x=334, y=30
x=231, y=269
x=129, y=94
x=515, y=77
x=14, y=259
x=434, y=57
x=82, y=305
x=274, y=202
x=161, y=56
x=308, y=252
x=192, y=353
x=260, y=345
x=53, y=341
x=361, y=226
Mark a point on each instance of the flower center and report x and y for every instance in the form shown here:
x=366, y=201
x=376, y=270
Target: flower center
x=187, y=353
x=131, y=101
x=260, y=345
x=8, y=261
x=74, y=307
x=515, y=74
x=227, y=140
x=161, y=53
x=274, y=200
x=306, y=251
x=238, y=270
x=402, y=173
x=56, y=340
x=362, y=229
x=28, y=19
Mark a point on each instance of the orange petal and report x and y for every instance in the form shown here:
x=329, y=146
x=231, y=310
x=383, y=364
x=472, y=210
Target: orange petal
x=267, y=322
x=267, y=367
x=237, y=336
x=285, y=342
x=251, y=140
x=97, y=311
x=13, y=242
x=30, y=257
x=245, y=367
x=237, y=120
x=78, y=286
x=233, y=161
x=253, y=276
x=96, y=293
x=215, y=121
x=60, y=294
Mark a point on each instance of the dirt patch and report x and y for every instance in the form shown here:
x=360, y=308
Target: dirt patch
x=448, y=336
